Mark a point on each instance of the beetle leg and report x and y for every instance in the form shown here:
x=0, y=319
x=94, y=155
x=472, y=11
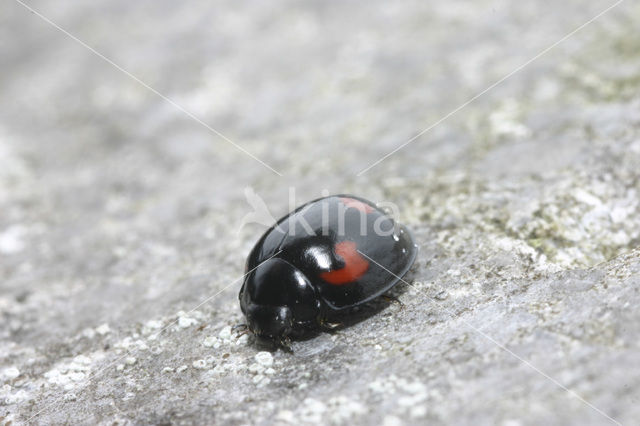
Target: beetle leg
x=285, y=344
x=330, y=326
x=393, y=299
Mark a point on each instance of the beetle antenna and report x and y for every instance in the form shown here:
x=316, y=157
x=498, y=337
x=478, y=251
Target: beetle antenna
x=241, y=329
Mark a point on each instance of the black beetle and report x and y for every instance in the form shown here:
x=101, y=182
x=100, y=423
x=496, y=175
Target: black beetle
x=325, y=257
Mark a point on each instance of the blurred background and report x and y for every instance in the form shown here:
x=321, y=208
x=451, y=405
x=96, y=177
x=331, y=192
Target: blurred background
x=122, y=178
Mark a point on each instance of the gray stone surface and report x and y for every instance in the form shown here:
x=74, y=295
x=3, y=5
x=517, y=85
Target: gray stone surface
x=119, y=213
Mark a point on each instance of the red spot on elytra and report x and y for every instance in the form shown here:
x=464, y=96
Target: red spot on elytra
x=354, y=265
x=356, y=204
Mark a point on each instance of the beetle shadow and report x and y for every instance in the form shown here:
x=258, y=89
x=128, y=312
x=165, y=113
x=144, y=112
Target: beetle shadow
x=344, y=319
x=350, y=317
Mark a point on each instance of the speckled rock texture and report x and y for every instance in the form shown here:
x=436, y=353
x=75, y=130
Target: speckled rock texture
x=121, y=252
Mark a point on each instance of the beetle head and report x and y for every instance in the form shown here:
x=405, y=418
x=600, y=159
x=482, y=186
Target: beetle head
x=270, y=322
x=276, y=299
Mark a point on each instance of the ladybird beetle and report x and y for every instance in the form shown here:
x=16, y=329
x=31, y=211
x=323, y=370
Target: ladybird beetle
x=325, y=257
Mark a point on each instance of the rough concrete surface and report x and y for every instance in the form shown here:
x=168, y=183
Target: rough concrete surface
x=119, y=213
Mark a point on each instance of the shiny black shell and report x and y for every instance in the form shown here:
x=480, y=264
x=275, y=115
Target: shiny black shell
x=345, y=231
